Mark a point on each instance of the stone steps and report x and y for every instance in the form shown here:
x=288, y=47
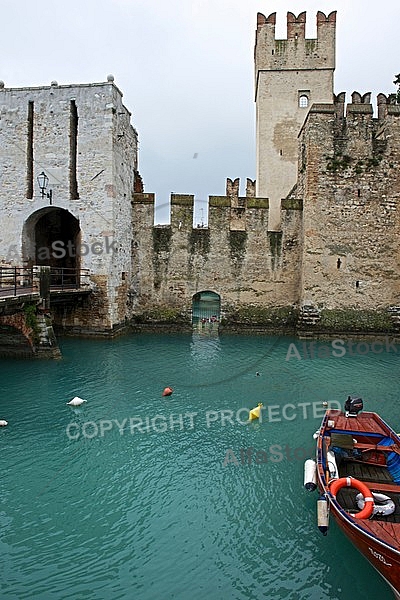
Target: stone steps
x=394, y=313
x=46, y=339
x=309, y=317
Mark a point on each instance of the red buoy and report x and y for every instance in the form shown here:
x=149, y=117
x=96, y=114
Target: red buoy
x=167, y=391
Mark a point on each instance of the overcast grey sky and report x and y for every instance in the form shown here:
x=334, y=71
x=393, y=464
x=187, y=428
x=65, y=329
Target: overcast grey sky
x=185, y=68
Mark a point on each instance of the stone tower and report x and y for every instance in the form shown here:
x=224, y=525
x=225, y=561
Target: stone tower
x=80, y=137
x=290, y=75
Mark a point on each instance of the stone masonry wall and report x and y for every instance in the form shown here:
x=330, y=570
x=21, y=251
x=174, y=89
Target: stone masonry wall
x=106, y=163
x=235, y=256
x=285, y=71
x=349, y=178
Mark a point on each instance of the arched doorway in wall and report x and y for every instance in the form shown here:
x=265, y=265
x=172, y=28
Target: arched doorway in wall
x=206, y=308
x=51, y=237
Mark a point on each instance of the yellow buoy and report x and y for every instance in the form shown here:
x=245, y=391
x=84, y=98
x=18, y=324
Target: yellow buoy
x=255, y=412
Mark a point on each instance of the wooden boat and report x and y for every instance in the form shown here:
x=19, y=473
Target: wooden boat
x=358, y=452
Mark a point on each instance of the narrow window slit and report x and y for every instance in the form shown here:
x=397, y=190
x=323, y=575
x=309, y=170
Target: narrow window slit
x=73, y=150
x=29, y=153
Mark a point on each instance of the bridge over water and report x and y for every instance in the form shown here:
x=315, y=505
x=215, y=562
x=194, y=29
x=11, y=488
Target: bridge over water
x=26, y=296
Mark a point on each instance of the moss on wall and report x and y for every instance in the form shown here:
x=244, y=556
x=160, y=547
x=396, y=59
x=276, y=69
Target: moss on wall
x=352, y=320
x=311, y=45
x=257, y=203
x=162, y=314
x=282, y=317
x=338, y=163
x=162, y=239
x=237, y=244
x=292, y=204
x=219, y=201
x=31, y=320
x=161, y=243
x=199, y=241
x=281, y=46
x=275, y=243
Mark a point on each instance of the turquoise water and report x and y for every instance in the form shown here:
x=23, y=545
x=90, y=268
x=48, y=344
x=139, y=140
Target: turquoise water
x=133, y=495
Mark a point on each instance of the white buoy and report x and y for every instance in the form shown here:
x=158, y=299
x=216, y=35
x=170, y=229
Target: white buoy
x=323, y=514
x=310, y=475
x=3, y=423
x=76, y=401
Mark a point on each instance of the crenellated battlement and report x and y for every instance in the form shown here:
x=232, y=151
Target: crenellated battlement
x=296, y=51
x=234, y=254
x=231, y=212
x=236, y=212
x=346, y=143
x=360, y=105
x=296, y=26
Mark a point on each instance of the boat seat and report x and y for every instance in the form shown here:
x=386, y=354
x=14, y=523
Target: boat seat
x=342, y=440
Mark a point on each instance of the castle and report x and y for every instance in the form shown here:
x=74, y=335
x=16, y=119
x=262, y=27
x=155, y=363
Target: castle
x=313, y=246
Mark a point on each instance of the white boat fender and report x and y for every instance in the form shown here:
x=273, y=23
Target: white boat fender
x=383, y=505
x=323, y=514
x=332, y=465
x=310, y=475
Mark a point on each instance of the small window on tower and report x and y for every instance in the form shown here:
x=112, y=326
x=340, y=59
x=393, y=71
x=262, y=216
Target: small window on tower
x=303, y=101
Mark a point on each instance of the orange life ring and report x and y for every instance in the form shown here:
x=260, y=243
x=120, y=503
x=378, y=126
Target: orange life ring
x=338, y=484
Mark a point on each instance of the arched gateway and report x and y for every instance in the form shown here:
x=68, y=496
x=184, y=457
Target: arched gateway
x=51, y=236
x=206, y=308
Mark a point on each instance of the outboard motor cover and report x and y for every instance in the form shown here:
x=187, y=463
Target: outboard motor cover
x=353, y=406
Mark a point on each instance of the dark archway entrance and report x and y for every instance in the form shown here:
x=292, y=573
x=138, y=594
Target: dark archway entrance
x=206, y=308
x=51, y=236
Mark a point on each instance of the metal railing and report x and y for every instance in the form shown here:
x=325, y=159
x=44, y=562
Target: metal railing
x=18, y=281
x=63, y=278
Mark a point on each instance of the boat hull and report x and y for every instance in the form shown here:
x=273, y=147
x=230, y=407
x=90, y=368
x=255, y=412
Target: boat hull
x=378, y=542
x=384, y=559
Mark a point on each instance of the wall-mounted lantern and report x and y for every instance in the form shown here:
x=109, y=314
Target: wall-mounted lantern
x=43, y=181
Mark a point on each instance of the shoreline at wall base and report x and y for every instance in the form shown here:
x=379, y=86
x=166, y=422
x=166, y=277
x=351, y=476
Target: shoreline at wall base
x=80, y=331
x=53, y=353
x=160, y=327
x=329, y=323
x=341, y=334
x=256, y=329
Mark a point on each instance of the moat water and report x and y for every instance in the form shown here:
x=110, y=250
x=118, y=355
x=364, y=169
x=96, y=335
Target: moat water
x=135, y=495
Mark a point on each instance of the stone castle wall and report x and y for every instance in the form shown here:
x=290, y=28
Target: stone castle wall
x=349, y=180
x=337, y=245
x=236, y=256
